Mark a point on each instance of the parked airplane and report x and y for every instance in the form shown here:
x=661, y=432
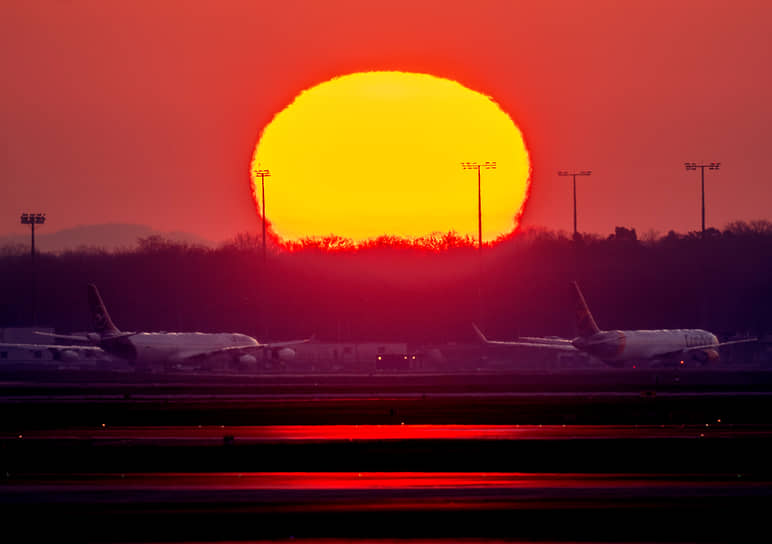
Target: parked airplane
x=149, y=348
x=615, y=348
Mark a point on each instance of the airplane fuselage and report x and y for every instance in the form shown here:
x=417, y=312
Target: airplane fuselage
x=156, y=347
x=616, y=346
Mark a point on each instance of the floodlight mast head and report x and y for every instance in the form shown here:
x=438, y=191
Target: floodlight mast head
x=709, y=166
x=488, y=165
x=579, y=173
x=33, y=218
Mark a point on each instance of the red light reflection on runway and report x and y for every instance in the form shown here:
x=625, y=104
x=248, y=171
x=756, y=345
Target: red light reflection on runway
x=350, y=492
x=342, y=433
x=375, y=480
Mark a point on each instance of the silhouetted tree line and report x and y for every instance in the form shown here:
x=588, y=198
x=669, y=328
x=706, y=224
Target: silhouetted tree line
x=416, y=291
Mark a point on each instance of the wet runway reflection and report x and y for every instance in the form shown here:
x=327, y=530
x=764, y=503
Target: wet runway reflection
x=367, y=490
x=147, y=507
x=333, y=433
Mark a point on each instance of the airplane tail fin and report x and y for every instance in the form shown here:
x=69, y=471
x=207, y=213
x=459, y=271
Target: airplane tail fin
x=585, y=323
x=99, y=316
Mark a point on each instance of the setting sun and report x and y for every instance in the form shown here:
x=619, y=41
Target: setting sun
x=379, y=153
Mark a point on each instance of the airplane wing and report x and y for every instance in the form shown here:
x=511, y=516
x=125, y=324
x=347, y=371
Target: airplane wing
x=70, y=354
x=50, y=346
x=246, y=350
x=530, y=342
x=680, y=353
x=721, y=344
x=289, y=343
x=64, y=336
x=543, y=340
x=85, y=338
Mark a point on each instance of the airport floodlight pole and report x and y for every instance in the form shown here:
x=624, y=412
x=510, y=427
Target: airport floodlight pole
x=263, y=174
x=478, y=166
x=710, y=166
x=488, y=165
x=33, y=219
x=573, y=175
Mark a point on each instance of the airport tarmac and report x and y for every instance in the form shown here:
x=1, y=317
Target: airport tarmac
x=63, y=399
x=615, y=456
x=717, y=448
x=376, y=505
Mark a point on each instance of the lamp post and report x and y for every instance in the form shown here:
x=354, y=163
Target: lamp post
x=478, y=166
x=33, y=219
x=710, y=166
x=573, y=175
x=263, y=174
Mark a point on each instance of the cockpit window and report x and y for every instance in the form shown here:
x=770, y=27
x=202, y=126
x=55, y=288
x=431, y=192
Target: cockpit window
x=240, y=339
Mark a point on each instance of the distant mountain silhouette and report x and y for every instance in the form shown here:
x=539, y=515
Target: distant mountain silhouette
x=109, y=236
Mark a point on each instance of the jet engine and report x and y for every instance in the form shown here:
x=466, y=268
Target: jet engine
x=247, y=359
x=69, y=355
x=706, y=357
x=284, y=354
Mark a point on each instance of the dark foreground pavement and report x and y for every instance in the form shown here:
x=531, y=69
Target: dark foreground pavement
x=613, y=457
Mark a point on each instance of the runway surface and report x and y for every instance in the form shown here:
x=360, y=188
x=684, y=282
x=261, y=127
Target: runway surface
x=615, y=457
x=234, y=506
x=372, y=490
x=277, y=434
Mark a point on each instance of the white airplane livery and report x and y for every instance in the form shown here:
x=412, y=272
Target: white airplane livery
x=173, y=347
x=615, y=348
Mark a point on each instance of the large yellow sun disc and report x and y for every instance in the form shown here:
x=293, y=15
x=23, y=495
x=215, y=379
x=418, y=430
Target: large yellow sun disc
x=380, y=153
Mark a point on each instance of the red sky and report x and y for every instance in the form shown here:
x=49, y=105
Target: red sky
x=148, y=112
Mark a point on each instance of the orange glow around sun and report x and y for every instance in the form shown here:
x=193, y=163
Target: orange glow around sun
x=379, y=153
